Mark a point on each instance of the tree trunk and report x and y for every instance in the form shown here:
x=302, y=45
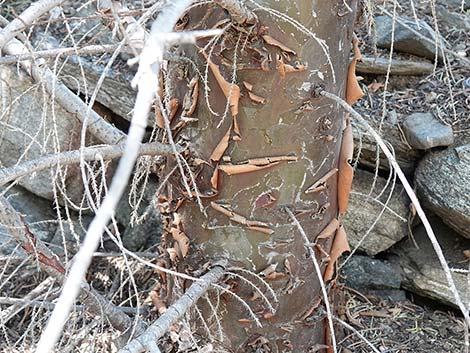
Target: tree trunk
x=281, y=62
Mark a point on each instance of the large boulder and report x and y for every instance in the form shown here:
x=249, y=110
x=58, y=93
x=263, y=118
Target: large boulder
x=34, y=125
x=365, y=206
x=37, y=213
x=405, y=40
x=422, y=271
x=443, y=184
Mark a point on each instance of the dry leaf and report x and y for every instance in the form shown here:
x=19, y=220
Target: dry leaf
x=353, y=90
x=345, y=172
x=340, y=245
x=274, y=42
x=231, y=91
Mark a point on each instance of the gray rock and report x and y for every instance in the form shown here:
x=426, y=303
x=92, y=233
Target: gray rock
x=115, y=92
x=38, y=215
x=137, y=236
x=406, y=157
x=455, y=4
x=452, y=19
x=366, y=274
x=443, y=183
x=33, y=125
x=364, y=208
x=423, y=131
x=422, y=272
x=380, y=66
x=405, y=40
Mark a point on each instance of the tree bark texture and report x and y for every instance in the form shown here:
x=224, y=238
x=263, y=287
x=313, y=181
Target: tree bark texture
x=279, y=68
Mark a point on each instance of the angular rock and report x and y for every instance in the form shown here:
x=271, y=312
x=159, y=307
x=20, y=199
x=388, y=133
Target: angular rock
x=405, y=40
x=37, y=212
x=423, y=131
x=379, y=66
x=372, y=276
x=406, y=157
x=33, y=125
x=422, y=272
x=115, y=93
x=363, y=209
x=443, y=183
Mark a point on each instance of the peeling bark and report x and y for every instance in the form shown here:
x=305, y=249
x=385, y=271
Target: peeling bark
x=245, y=221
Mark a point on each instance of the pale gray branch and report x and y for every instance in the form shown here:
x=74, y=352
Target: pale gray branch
x=97, y=126
x=26, y=18
x=52, y=53
x=95, y=303
x=411, y=194
x=147, y=81
x=73, y=157
x=174, y=313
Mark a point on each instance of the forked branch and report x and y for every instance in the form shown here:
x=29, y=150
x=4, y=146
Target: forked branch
x=239, y=12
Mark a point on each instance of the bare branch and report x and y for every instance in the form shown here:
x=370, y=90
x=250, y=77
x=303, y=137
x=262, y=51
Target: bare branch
x=26, y=18
x=52, y=53
x=72, y=157
x=174, y=313
x=413, y=198
x=238, y=11
x=95, y=303
x=97, y=126
x=147, y=81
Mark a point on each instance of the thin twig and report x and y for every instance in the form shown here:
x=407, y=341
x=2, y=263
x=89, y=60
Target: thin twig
x=319, y=276
x=413, y=198
x=72, y=157
x=147, y=81
x=26, y=18
x=99, y=127
x=95, y=303
x=174, y=313
x=357, y=333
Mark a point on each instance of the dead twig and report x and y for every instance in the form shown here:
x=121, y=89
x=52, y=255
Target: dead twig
x=26, y=18
x=95, y=303
x=97, y=126
x=174, y=313
x=71, y=157
x=147, y=81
